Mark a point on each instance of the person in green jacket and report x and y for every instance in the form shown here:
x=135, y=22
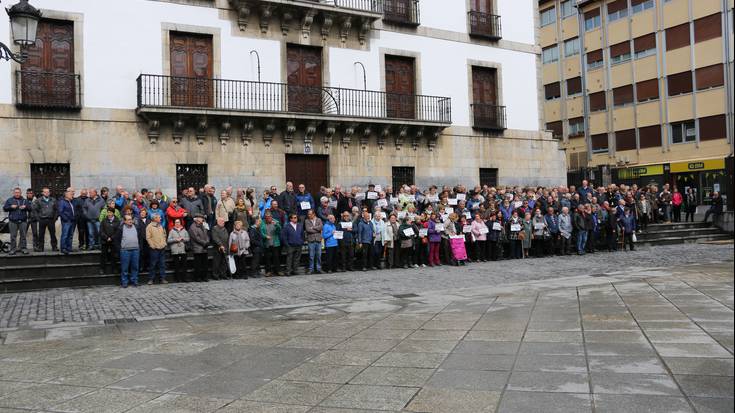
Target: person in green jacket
x=271, y=231
x=110, y=205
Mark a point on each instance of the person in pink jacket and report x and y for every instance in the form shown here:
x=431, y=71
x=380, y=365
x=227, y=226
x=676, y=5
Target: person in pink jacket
x=479, y=232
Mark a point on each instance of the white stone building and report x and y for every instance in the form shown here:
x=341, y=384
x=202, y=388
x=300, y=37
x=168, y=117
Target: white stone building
x=166, y=93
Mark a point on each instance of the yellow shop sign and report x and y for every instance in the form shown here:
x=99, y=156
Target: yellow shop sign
x=638, y=171
x=694, y=166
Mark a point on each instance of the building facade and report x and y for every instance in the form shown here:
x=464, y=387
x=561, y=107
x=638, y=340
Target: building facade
x=640, y=91
x=172, y=93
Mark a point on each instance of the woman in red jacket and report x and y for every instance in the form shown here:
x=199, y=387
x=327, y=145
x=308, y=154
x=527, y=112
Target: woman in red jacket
x=677, y=200
x=174, y=212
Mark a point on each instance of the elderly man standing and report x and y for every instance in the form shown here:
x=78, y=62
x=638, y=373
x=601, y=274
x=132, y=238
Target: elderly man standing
x=199, y=243
x=68, y=220
x=127, y=239
x=92, y=208
x=18, y=209
x=155, y=235
x=46, y=212
x=313, y=229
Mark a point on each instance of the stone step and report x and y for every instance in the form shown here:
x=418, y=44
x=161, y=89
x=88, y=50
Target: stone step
x=680, y=225
x=674, y=233
x=684, y=240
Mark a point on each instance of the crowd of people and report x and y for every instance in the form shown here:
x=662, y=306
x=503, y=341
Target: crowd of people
x=342, y=230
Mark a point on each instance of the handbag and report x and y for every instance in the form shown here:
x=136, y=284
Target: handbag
x=521, y=236
x=233, y=248
x=231, y=264
x=635, y=239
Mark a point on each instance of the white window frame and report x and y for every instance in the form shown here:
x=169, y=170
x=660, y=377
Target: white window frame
x=548, y=16
x=567, y=9
x=594, y=65
x=683, y=129
x=649, y=4
x=645, y=53
x=574, y=41
x=625, y=57
x=554, y=57
x=617, y=15
x=596, y=23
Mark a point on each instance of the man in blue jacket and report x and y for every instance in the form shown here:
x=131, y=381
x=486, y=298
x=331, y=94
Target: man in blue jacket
x=18, y=209
x=365, y=237
x=302, y=198
x=68, y=220
x=292, y=238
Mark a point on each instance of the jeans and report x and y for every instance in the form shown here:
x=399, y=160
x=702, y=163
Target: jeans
x=43, y=225
x=666, y=209
x=93, y=234
x=158, y=264
x=129, y=267
x=14, y=228
x=712, y=211
x=581, y=241
x=67, y=236
x=315, y=256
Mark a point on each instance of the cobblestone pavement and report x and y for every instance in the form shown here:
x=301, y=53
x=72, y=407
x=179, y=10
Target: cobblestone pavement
x=95, y=305
x=655, y=341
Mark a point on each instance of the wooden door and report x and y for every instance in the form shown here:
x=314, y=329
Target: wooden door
x=398, y=10
x=400, y=87
x=482, y=6
x=310, y=170
x=485, y=95
x=304, y=66
x=47, y=76
x=191, y=69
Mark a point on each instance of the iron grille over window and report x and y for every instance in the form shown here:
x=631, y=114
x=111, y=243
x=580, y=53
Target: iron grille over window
x=401, y=12
x=55, y=176
x=489, y=176
x=190, y=175
x=485, y=25
x=403, y=175
x=48, y=90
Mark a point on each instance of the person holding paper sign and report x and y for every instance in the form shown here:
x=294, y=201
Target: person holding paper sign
x=421, y=252
x=552, y=224
x=407, y=236
x=435, y=229
x=365, y=236
x=515, y=226
x=527, y=234
x=479, y=231
x=540, y=234
x=331, y=244
x=494, y=237
x=469, y=238
x=346, y=249
x=304, y=202
x=390, y=238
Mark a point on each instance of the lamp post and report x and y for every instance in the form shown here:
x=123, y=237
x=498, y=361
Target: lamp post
x=23, y=24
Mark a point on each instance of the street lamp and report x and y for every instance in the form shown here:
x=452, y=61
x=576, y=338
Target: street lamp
x=23, y=24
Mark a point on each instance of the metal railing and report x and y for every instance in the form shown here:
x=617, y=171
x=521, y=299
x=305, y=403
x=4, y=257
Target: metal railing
x=401, y=12
x=158, y=91
x=46, y=90
x=485, y=25
x=373, y=6
x=491, y=117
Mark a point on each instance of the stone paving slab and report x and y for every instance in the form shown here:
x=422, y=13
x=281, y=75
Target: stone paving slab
x=417, y=354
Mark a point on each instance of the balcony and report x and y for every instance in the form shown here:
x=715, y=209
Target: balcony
x=301, y=17
x=401, y=12
x=485, y=25
x=49, y=91
x=488, y=117
x=295, y=106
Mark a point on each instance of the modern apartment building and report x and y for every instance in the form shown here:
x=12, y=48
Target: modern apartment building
x=176, y=93
x=640, y=91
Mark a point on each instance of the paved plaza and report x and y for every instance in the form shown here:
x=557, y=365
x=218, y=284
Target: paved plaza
x=630, y=340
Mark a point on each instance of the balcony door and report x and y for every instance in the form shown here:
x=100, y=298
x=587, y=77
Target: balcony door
x=400, y=87
x=398, y=10
x=47, y=76
x=304, y=66
x=482, y=6
x=191, y=69
x=485, y=96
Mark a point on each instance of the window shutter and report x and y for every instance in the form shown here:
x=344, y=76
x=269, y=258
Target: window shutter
x=592, y=13
x=597, y=101
x=644, y=42
x=680, y=83
x=623, y=95
x=616, y=6
x=712, y=127
x=599, y=142
x=625, y=140
x=553, y=90
x=555, y=128
x=710, y=76
x=594, y=56
x=619, y=49
x=707, y=28
x=647, y=89
x=677, y=36
x=650, y=136
x=574, y=85
x=637, y=2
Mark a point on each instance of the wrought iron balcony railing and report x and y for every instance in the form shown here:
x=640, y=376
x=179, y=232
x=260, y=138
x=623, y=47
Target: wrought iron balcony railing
x=404, y=12
x=45, y=90
x=157, y=91
x=374, y=6
x=485, y=25
x=490, y=117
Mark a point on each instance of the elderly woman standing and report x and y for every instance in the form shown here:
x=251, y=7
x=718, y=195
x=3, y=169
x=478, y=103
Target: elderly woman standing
x=239, y=245
x=225, y=209
x=177, y=240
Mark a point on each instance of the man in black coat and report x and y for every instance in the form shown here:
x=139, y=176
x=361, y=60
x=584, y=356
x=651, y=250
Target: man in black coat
x=109, y=228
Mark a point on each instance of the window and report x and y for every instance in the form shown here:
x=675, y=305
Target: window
x=644, y=46
x=550, y=54
x=649, y=137
x=574, y=86
x=190, y=175
x=680, y=83
x=617, y=10
x=683, y=132
x=55, y=176
x=548, y=17
x=712, y=127
x=555, y=128
x=707, y=28
x=710, y=76
x=599, y=143
x=400, y=83
x=191, y=56
x=647, y=90
x=625, y=140
x=623, y=95
x=552, y=91
x=592, y=20
x=597, y=101
x=594, y=59
x=403, y=175
x=641, y=5
x=620, y=53
x=488, y=176
x=571, y=47
x=576, y=126
x=677, y=36
x=568, y=9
